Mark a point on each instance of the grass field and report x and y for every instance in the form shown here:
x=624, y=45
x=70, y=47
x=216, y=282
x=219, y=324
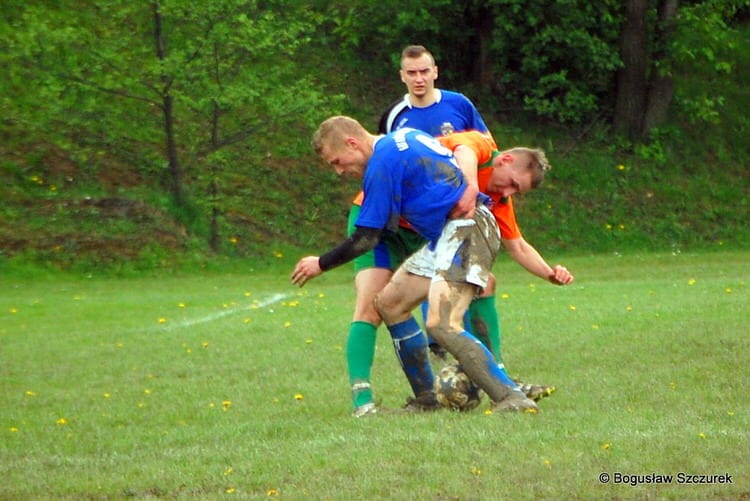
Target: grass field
x=214, y=386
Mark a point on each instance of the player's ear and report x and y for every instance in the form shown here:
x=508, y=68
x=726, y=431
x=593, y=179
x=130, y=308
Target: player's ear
x=510, y=158
x=436, y=72
x=504, y=159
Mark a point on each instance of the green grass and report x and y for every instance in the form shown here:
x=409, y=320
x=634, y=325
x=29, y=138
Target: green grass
x=233, y=385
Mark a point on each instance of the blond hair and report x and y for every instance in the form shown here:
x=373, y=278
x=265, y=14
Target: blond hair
x=535, y=161
x=335, y=128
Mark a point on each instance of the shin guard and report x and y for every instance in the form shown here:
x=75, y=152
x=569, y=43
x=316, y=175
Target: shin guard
x=410, y=344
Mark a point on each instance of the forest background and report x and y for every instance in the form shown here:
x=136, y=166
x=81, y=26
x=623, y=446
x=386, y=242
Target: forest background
x=168, y=134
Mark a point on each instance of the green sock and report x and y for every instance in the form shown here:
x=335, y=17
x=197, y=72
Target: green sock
x=360, y=353
x=485, y=324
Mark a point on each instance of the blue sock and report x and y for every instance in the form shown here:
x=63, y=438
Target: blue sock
x=411, y=348
x=467, y=321
x=496, y=370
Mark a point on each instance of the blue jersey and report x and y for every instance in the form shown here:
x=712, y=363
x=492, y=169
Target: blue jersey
x=452, y=112
x=410, y=174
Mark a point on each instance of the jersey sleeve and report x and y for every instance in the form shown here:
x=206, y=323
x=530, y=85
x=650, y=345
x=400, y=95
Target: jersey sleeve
x=477, y=123
x=482, y=145
x=358, y=198
x=505, y=216
x=381, y=190
x=385, y=125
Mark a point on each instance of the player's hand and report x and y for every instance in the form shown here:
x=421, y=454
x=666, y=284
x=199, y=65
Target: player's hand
x=307, y=268
x=560, y=275
x=466, y=205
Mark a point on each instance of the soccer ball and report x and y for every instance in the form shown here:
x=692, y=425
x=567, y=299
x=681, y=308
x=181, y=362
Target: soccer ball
x=455, y=390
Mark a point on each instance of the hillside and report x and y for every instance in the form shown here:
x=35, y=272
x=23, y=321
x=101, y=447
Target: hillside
x=107, y=207
x=595, y=200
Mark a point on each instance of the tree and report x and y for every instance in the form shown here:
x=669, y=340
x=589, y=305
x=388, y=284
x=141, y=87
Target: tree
x=630, y=103
x=660, y=38
x=570, y=61
x=661, y=86
x=554, y=59
x=175, y=87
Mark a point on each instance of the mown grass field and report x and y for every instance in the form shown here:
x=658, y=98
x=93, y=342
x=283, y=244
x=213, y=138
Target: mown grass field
x=233, y=386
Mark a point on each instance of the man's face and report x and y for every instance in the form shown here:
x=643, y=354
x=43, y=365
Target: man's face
x=507, y=178
x=345, y=157
x=419, y=75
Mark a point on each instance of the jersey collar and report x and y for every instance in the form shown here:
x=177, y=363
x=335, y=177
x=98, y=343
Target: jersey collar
x=438, y=96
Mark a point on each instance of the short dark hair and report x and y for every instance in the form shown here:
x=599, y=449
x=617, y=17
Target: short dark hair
x=535, y=162
x=415, y=51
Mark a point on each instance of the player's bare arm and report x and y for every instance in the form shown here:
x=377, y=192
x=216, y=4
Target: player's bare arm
x=467, y=162
x=466, y=205
x=528, y=257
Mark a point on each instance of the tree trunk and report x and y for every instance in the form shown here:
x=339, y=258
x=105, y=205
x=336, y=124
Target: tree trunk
x=214, y=238
x=483, y=68
x=175, y=169
x=630, y=103
x=661, y=88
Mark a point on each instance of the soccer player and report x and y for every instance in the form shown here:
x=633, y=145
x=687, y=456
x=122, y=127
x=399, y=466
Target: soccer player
x=425, y=107
x=448, y=274
x=407, y=173
x=480, y=159
x=438, y=112
x=441, y=113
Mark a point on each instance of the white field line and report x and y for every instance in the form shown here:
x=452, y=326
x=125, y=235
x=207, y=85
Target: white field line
x=275, y=298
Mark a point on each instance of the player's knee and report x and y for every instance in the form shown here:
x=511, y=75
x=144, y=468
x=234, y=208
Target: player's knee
x=383, y=305
x=364, y=310
x=391, y=307
x=369, y=315
x=440, y=328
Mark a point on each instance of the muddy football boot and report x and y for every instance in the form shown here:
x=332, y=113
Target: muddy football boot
x=516, y=401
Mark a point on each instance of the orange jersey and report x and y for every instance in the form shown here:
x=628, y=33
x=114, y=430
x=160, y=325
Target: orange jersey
x=486, y=149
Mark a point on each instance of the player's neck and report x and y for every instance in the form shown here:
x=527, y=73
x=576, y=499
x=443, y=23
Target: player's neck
x=428, y=99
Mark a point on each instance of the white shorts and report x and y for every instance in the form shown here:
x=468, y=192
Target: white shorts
x=465, y=251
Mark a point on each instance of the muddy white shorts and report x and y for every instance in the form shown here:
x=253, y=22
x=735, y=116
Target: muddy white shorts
x=465, y=251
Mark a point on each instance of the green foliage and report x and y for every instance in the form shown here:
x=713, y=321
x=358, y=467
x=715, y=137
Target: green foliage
x=558, y=58
x=554, y=58
x=83, y=106
x=222, y=66
x=707, y=45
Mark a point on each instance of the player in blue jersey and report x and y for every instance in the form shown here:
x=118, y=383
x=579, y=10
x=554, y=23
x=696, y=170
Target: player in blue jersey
x=408, y=173
x=441, y=113
x=437, y=112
